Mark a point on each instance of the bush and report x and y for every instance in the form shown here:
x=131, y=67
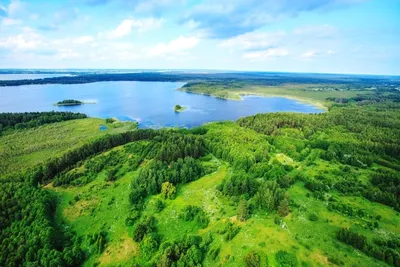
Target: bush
x=252, y=259
x=214, y=253
x=286, y=259
x=159, y=205
x=193, y=213
x=313, y=217
x=229, y=231
x=168, y=190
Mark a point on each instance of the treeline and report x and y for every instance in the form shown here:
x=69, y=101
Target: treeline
x=364, y=99
x=233, y=80
x=351, y=135
x=385, y=188
x=26, y=120
x=379, y=249
x=116, y=163
x=28, y=234
x=153, y=175
x=48, y=171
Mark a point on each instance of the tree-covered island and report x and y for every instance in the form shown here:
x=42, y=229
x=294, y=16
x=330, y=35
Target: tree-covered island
x=179, y=108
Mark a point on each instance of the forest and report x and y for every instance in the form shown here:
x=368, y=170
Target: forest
x=13, y=121
x=223, y=80
x=275, y=189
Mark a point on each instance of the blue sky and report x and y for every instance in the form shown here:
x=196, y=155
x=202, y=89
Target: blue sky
x=334, y=36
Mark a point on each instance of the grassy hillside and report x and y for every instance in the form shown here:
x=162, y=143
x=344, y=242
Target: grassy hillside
x=277, y=189
x=306, y=234
x=29, y=147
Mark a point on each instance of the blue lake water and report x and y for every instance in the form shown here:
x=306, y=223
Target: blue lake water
x=149, y=103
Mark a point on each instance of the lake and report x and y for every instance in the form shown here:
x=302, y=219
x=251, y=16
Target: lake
x=149, y=103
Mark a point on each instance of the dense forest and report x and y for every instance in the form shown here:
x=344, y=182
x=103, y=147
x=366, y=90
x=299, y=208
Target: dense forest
x=11, y=121
x=222, y=80
x=277, y=189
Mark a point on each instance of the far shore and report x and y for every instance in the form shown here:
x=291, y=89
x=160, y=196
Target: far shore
x=238, y=96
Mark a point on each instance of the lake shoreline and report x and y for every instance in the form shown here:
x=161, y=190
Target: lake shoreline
x=238, y=96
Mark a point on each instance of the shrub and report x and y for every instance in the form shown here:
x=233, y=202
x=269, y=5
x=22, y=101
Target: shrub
x=252, y=259
x=193, y=213
x=313, y=217
x=168, y=190
x=286, y=259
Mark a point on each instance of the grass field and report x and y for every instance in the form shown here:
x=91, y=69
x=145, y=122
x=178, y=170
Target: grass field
x=26, y=148
x=96, y=206
x=104, y=205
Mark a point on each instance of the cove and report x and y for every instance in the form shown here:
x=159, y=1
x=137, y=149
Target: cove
x=149, y=103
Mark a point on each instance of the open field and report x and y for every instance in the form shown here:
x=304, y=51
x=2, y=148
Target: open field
x=27, y=148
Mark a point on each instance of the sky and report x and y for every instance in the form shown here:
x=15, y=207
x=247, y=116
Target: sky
x=321, y=36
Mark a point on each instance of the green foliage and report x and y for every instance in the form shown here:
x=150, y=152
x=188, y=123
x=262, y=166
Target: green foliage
x=286, y=259
x=99, y=240
x=229, y=231
x=283, y=208
x=214, y=252
x=379, y=250
x=144, y=227
x=254, y=259
x=345, y=157
x=243, y=210
x=313, y=217
x=186, y=252
x=10, y=121
x=157, y=172
x=168, y=190
x=193, y=213
x=150, y=245
x=159, y=205
x=269, y=196
x=28, y=234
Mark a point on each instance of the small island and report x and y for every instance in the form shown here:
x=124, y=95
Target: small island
x=179, y=108
x=71, y=102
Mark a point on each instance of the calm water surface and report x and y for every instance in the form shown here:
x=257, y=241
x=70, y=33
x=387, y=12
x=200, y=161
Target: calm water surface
x=149, y=103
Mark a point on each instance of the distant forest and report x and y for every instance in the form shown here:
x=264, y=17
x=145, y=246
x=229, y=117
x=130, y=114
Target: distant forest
x=227, y=79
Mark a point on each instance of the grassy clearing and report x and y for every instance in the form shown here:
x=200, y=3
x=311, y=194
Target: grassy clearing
x=104, y=205
x=99, y=205
x=26, y=148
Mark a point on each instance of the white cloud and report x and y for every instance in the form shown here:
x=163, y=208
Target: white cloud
x=314, y=53
x=67, y=54
x=316, y=30
x=83, y=40
x=266, y=54
x=310, y=54
x=126, y=27
x=11, y=22
x=254, y=40
x=176, y=46
x=28, y=40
